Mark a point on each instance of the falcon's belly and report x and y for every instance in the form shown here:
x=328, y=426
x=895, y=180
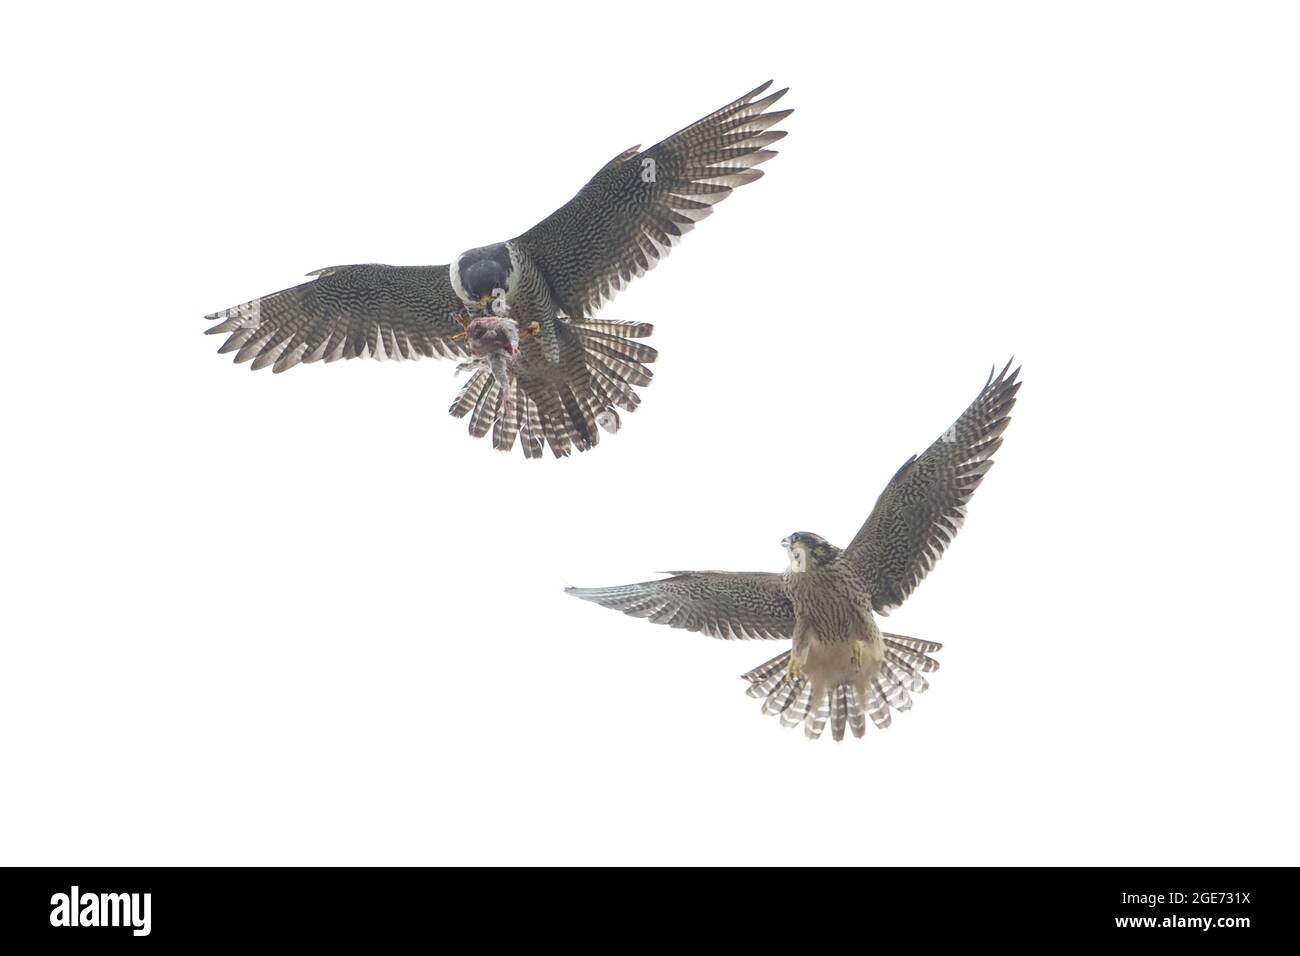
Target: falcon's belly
x=838, y=642
x=852, y=658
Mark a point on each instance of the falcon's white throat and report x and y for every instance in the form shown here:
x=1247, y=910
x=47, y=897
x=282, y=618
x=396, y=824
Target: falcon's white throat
x=798, y=553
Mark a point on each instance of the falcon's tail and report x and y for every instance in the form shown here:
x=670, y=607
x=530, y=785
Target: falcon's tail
x=568, y=414
x=801, y=701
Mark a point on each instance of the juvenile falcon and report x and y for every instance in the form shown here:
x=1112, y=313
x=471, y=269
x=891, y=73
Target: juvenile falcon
x=522, y=312
x=841, y=666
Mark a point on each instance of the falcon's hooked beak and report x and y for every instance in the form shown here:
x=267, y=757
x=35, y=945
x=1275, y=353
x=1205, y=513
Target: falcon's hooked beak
x=798, y=559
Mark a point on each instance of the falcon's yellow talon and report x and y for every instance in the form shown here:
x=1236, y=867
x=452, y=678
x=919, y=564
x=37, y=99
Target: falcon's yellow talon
x=795, y=670
x=858, y=653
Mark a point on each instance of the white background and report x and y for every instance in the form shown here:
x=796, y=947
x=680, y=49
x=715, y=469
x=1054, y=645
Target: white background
x=302, y=618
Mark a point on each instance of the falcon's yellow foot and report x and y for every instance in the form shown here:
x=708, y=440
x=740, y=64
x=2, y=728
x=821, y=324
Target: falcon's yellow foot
x=795, y=670
x=858, y=653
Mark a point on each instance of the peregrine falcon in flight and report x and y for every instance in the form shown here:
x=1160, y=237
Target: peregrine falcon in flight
x=521, y=313
x=841, y=666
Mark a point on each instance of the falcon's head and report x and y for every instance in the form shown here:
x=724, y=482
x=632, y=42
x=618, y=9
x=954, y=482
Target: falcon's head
x=485, y=277
x=808, y=550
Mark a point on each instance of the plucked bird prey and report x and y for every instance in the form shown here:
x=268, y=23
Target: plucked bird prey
x=521, y=313
x=841, y=667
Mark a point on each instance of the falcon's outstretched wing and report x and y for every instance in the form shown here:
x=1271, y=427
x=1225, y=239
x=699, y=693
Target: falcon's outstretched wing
x=924, y=504
x=361, y=311
x=724, y=604
x=641, y=203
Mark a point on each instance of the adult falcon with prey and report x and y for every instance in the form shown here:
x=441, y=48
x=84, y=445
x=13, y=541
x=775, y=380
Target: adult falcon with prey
x=522, y=313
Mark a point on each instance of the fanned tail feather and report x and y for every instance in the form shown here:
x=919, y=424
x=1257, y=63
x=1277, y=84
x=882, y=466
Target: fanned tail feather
x=469, y=394
x=531, y=435
x=485, y=411
x=507, y=423
x=615, y=364
x=568, y=414
x=901, y=675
